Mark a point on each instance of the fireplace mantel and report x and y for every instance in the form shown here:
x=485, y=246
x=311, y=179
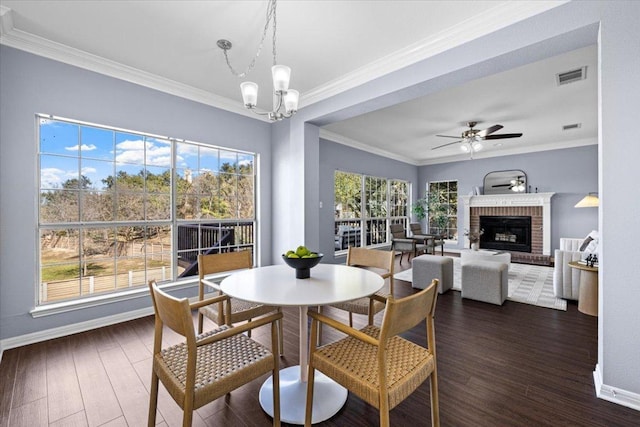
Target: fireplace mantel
x=514, y=200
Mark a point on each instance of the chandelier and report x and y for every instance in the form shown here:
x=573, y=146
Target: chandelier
x=286, y=100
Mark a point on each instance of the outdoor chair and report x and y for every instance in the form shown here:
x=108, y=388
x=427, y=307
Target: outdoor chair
x=208, y=366
x=431, y=240
x=377, y=364
x=231, y=310
x=401, y=243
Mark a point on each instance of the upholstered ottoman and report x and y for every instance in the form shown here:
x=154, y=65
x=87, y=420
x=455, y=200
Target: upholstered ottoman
x=425, y=268
x=486, y=281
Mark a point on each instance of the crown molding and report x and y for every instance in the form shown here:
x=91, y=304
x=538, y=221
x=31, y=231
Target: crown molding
x=489, y=21
x=12, y=37
x=334, y=137
x=480, y=25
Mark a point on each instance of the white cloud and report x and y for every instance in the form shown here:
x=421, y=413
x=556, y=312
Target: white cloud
x=84, y=147
x=88, y=171
x=134, y=152
x=51, y=177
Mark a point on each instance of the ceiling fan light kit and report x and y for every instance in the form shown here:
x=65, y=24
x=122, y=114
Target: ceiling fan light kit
x=286, y=99
x=471, y=139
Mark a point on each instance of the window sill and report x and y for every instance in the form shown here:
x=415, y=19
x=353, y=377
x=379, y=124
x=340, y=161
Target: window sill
x=98, y=300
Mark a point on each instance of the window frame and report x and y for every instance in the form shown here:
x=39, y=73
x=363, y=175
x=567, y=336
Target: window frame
x=172, y=223
x=364, y=217
x=452, y=206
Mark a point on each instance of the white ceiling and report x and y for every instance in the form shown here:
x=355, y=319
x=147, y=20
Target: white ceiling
x=331, y=46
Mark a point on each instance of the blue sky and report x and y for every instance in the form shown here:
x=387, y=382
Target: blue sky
x=67, y=148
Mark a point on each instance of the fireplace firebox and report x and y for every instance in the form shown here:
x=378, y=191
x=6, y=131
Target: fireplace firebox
x=509, y=233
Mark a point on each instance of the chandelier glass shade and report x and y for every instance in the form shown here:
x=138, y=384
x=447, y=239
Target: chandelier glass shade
x=286, y=100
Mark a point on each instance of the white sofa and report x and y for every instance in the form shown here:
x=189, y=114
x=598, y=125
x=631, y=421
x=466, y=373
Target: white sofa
x=566, y=280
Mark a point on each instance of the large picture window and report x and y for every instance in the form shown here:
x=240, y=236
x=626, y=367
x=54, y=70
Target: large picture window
x=118, y=208
x=365, y=206
x=443, y=215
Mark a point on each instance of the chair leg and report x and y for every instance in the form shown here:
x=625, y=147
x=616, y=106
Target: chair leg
x=153, y=401
x=384, y=411
x=281, y=336
x=351, y=319
x=435, y=404
x=319, y=340
x=200, y=322
x=276, y=377
x=309, y=407
x=187, y=418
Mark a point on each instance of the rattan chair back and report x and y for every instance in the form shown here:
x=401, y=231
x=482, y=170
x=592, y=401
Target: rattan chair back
x=377, y=364
x=207, y=366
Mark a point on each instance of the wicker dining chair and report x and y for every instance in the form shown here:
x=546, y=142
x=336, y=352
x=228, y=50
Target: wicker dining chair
x=379, y=261
x=207, y=366
x=377, y=364
x=233, y=310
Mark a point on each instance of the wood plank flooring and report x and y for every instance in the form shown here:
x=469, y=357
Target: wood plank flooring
x=514, y=365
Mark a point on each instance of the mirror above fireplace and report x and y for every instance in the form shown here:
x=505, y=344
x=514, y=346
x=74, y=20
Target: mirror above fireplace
x=505, y=182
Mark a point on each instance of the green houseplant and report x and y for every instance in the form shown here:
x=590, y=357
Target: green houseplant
x=431, y=205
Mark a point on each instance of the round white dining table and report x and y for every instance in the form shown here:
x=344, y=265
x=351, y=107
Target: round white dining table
x=277, y=285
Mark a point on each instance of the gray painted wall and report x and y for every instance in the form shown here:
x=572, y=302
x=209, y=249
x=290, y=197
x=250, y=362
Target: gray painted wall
x=333, y=157
x=571, y=173
x=31, y=84
x=613, y=25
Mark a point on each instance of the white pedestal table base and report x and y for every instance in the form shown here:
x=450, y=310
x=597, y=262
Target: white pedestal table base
x=328, y=396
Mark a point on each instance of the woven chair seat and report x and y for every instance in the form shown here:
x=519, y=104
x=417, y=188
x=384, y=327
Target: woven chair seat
x=240, y=310
x=221, y=366
x=354, y=364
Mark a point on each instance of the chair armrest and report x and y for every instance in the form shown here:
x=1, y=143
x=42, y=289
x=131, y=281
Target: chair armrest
x=208, y=301
x=343, y=328
x=236, y=330
x=404, y=240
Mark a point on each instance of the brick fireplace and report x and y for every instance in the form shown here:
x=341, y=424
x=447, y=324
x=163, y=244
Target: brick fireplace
x=534, y=205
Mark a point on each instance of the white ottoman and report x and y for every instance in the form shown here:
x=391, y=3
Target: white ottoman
x=486, y=281
x=425, y=268
x=467, y=255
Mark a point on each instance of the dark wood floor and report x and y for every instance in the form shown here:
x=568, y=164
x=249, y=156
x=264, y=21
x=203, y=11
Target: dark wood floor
x=514, y=365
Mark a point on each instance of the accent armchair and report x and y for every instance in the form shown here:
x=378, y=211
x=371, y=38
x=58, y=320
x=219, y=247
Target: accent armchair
x=566, y=280
x=401, y=243
x=431, y=240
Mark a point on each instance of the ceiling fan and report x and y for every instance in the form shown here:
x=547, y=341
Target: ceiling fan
x=516, y=185
x=471, y=138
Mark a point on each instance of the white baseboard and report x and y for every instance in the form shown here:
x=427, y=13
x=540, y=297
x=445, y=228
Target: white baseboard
x=74, y=328
x=614, y=394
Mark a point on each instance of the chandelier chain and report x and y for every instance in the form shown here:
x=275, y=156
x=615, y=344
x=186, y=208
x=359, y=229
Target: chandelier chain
x=271, y=15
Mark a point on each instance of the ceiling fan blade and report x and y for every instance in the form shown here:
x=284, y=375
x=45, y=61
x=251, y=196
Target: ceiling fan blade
x=444, y=145
x=449, y=136
x=503, y=135
x=502, y=185
x=489, y=130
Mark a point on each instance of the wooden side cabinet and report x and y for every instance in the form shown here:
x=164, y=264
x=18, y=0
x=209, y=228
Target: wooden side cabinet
x=588, y=295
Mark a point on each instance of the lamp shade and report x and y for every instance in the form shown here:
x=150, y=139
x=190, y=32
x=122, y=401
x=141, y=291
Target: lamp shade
x=249, y=94
x=589, y=201
x=281, y=75
x=291, y=101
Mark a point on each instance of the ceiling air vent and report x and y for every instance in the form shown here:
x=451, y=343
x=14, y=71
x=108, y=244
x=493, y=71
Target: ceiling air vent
x=572, y=126
x=571, y=76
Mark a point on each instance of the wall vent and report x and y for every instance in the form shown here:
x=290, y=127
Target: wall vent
x=572, y=126
x=571, y=76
